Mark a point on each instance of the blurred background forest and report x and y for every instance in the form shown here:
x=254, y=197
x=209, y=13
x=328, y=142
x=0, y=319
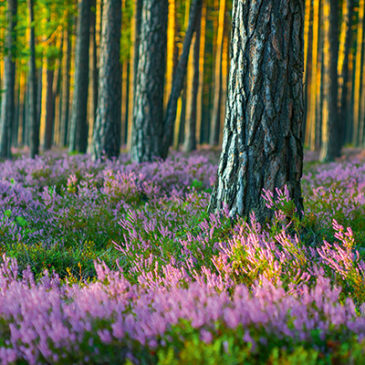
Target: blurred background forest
x=201, y=104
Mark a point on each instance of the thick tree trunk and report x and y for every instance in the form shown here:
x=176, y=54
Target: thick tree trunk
x=149, y=88
x=8, y=102
x=79, y=127
x=106, y=138
x=178, y=81
x=190, y=125
x=330, y=142
x=262, y=146
x=66, y=84
x=33, y=102
x=346, y=40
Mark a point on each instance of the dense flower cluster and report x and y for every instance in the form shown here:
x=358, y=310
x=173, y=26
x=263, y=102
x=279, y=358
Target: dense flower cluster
x=120, y=263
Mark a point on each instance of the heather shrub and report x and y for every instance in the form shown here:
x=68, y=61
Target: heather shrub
x=115, y=262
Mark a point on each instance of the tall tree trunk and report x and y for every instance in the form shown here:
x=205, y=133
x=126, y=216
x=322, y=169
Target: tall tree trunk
x=57, y=92
x=311, y=125
x=262, y=146
x=94, y=59
x=79, y=127
x=50, y=107
x=199, y=113
x=66, y=83
x=178, y=81
x=106, y=138
x=330, y=143
x=33, y=94
x=358, y=72
x=8, y=102
x=133, y=65
x=343, y=68
x=190, y=124
x=149, y=87
x=215, y=118
x=308, y=78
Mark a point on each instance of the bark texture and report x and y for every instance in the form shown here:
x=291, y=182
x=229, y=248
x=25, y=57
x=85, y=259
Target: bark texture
x=330, y=137
x=79, y=127
x=8, y=102
x=33, y=90
x=149, y=90
x=178, y=81
x=262, y=147
x=106, y=138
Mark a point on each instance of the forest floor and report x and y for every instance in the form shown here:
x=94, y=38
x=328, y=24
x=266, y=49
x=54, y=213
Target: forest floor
x=113, y=262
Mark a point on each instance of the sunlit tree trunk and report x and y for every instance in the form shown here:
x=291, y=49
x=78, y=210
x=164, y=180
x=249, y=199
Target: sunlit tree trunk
x=307, y=78
x=358, y=72
x=181, y=102
x=50, y=106
x=199, y=113
x=106, y=137
x=33, y=103
x=133, y=69
x=262, y=146
x=8, y=101
x=178, y=81
x=311, y=121
x=330, y=142
x=66, y=83
x=344, y=69
x=79, y=127
x=190, y=125
x=215, y=118
x=149, y=91
x=170, y=65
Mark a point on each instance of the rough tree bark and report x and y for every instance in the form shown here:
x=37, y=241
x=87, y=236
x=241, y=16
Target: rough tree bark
x=33, y=94
x=106, y=137
x=262, y=147
x=178, y=81
x=330, y=142
x=79, y=127
x=149, y=88
x=8, y=102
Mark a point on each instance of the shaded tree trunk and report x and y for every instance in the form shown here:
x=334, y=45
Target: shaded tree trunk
x=262, y=146
x=178, y=81
x=330, y=143
x=106, y=137
x=149, y=88
x=33, y=95
x=8, y=99
x=79, y=127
